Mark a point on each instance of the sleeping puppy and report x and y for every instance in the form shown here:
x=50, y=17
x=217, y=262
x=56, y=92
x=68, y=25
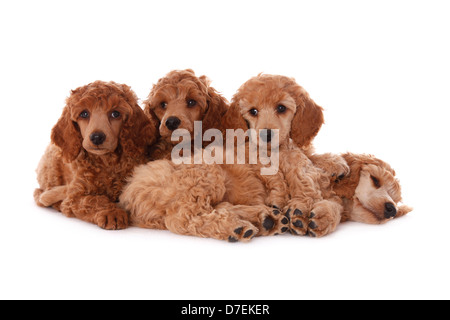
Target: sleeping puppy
x=178, y=100
x=370, y=194
x=99, y=139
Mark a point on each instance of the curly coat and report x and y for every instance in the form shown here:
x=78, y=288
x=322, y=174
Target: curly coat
x=235, y=202
x=185, y=98
x=80, y=174
x=278, y=104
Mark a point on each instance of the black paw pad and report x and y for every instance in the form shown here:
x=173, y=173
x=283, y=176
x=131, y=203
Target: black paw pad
x=285, y=220
x=232, y=239
x=285, y=229
x=298, y=224
x=288, y=214
x=248, y=234
x=312, y=225
x=268, y=223
x=311, y=234
x=238, y=231
x=276, y=212
x=312, y=215
x=298, y=212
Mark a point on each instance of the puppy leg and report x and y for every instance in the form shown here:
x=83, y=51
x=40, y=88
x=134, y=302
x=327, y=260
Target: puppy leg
x=217, y=223
x=37, y=197
x=334, y=165
x=277, y=188
x=51, y=196
x=303, y=181
x=325, y=217
x=95, y=209
x=270, y=221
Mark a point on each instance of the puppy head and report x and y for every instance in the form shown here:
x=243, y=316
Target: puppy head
x=181, y=98
x=277, y=104
x=376, y=190
x=99, y=118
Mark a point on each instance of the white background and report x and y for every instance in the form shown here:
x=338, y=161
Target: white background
x=379, y=68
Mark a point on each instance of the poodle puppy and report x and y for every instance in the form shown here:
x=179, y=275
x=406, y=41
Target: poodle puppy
x=178, y=100
x=224, y=202
x=285, y=116
x=99, y=139
x=370, y=194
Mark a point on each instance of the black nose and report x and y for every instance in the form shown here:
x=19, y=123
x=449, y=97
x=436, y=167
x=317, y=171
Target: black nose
x=173, y=123
x=266, y=135
x=98, y=138
x=389, y=210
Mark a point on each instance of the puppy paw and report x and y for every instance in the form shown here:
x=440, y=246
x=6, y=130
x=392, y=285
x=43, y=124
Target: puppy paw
x=338, y=169
x=244, y=232
x=296, y=212
x=112, y=220
x=273, y=222
x=323, y=220
x=298, y=222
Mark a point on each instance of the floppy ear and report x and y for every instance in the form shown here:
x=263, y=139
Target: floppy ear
x=308, y=118
x=67, y=136
x=233, y=118
x=139, y=132
x=216, y=108
x=347, y=186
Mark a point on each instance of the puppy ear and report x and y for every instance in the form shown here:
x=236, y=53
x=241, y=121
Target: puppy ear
x=347, y=186
x=140, y=129
x=308, y=118
x=216, y=108
x=233, y=118
x=67, y=136
x=138, y=133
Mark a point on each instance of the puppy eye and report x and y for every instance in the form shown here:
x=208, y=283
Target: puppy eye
x=281, y=109
x=191, y=103
x=253, y=112
x=375, y=181
x=163, y=105
x=84, y=114
x=115, y=114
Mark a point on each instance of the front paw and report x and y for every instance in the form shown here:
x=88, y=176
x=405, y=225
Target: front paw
x=324, y=219
x=112, y=220
x=274, y=222
x=297, y=214
x=338, y=169
x=244, y=232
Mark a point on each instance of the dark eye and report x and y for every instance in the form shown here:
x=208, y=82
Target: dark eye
x=253, y=112
x=191, y=103
x=375, y=181
x=115, y=114
x=84, y=114
x=163, y=105
x=281, y=109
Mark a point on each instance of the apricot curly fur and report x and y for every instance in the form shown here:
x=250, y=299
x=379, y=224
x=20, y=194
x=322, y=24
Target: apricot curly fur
x=175, y=90
x=87, y=183
x=278, y=103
